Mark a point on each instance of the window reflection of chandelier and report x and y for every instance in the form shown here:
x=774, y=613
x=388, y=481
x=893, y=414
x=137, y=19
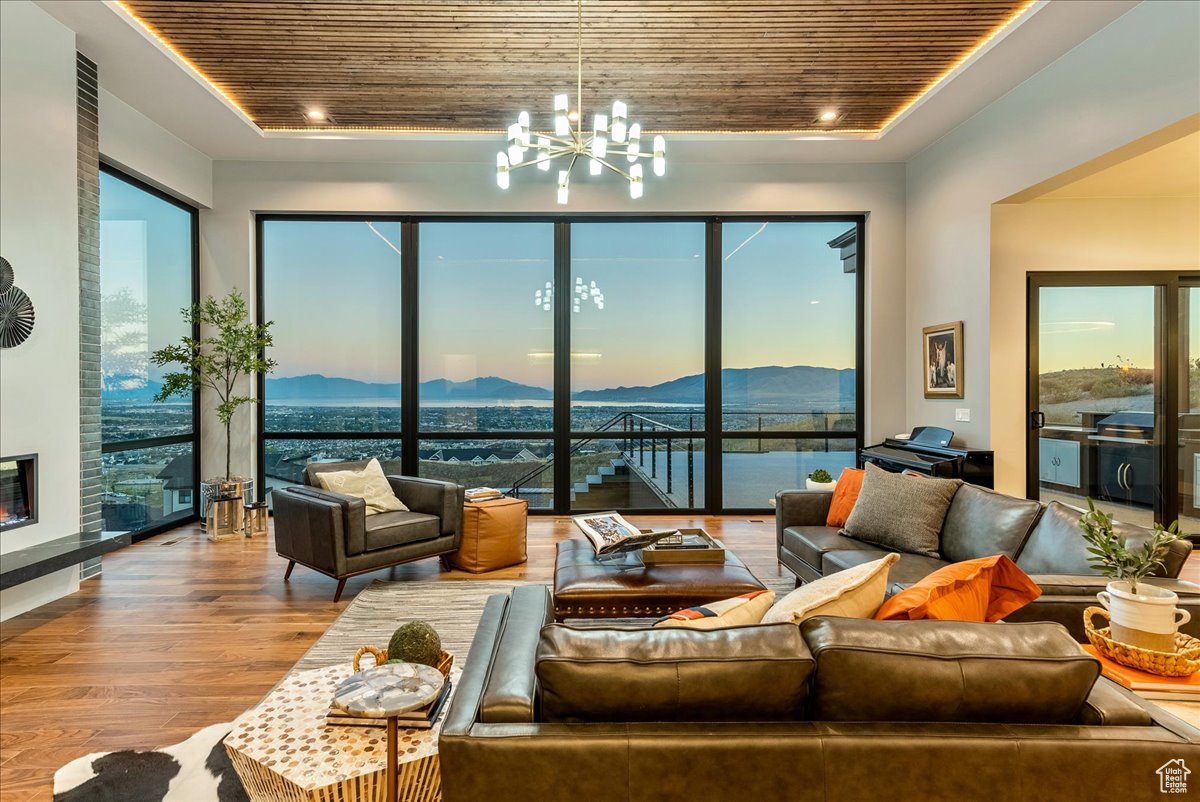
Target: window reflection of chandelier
x=581, y=294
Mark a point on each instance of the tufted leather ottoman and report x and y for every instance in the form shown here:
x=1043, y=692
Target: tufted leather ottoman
x=585, y=587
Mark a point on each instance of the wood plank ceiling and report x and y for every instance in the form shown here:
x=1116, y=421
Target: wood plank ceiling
x=760, y=65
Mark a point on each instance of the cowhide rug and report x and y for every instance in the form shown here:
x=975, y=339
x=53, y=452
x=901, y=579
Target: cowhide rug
x=197, y=770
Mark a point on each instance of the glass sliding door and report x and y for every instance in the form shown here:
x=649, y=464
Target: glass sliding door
x=637, y=364
x=332, y=288
x=1097, y=395
x=789, y=383
x=487, y=355
x=1188, y=436
x=147, y=274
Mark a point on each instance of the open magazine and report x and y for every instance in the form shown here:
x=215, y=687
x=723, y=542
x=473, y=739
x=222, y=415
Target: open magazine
x=609, y=533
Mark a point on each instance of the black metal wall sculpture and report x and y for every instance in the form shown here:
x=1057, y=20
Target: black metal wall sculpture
x=16, y=310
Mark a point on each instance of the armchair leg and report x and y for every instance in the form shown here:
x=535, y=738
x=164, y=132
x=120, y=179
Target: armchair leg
x=337, y=595
x=288, y=573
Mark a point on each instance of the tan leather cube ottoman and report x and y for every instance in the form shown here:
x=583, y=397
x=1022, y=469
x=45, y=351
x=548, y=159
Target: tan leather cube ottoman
x=493, y=535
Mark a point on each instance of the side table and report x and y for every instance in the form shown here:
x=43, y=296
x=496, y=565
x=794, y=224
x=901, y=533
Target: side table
x=283, y=752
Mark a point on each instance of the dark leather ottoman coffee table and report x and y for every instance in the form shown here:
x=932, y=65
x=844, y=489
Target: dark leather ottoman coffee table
x=621, y=587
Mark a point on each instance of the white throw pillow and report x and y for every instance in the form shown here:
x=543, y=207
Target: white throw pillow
x=853, y=593
x=370, y=484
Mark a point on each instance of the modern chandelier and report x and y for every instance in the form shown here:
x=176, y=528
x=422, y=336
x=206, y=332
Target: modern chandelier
x=608, y=140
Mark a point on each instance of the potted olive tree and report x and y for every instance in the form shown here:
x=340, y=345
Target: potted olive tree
x=1141, y=614
x=820, y=479
x=231, y=347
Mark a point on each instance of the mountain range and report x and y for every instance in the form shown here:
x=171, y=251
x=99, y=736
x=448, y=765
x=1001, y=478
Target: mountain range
x=797, y=385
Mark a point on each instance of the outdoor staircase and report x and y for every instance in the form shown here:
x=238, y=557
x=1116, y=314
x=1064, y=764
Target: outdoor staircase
x=615, y=486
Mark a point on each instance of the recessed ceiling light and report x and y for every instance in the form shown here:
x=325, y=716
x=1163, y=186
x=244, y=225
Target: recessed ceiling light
x=828, y=116
x=315, y=115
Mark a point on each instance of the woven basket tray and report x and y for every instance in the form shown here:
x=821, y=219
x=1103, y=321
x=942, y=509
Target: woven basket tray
x=445, y=659
x=1183, y=662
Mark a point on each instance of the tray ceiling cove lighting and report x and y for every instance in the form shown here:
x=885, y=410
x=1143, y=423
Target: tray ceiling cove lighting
x=610, y=140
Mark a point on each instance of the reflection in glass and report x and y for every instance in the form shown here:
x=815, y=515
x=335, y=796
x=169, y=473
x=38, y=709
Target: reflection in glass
x=487, y=326
x=1097, y=389
x=146, y=486
x=332, y=288
x=789, y=326
x=637, y=322
x=1189, y=410
x=522, y=468
x=145, y=280
x=754, y=470
x=643, y=469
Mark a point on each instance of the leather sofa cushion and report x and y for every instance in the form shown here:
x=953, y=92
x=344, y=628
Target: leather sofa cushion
x=908, y=569
x=809, y=543
x=388, y=529
x=937, y=671
x=981, y=523
x=1056, y=545
x=757, y=673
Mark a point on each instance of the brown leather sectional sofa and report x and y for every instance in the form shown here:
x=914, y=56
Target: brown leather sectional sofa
x=836, y=710
x=1044, y=541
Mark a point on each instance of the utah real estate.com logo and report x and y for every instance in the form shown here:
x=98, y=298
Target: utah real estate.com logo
x=1172, y=777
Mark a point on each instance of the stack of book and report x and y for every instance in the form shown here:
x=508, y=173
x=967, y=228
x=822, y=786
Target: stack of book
x=421, y=719
x=475, y=494
x=1149, y=686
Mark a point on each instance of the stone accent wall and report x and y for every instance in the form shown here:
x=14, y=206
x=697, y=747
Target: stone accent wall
x=91, y=484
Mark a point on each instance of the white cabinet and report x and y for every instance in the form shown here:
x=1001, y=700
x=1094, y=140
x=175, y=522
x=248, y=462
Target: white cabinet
x=1058, y=461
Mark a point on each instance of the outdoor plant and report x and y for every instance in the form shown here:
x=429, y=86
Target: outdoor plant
x=1113, y=558
x=232, y=348
x=820, y=475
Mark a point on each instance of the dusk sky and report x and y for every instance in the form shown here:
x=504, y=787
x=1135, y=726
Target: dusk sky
x=1082, y=327
x=478, y=313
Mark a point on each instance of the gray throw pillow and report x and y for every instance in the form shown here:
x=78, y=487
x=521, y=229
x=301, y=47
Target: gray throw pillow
x=901, y=512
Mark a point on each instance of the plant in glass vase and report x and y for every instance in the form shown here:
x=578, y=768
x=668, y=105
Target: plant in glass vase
x=230, y=347
x=1141, y=614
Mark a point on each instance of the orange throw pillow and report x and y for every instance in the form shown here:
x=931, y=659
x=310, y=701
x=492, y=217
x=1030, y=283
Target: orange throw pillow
x=845, y=493
x=984, y=589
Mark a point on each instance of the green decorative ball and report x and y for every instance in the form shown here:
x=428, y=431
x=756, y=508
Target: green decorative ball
x=415, y=642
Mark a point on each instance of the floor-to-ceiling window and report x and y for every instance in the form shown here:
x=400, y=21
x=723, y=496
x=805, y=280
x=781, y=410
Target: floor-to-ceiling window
x=789, y=354
x=576, y=363
x=332, y=290
x=147, y=276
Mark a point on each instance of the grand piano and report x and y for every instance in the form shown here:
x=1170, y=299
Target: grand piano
x=928, y=451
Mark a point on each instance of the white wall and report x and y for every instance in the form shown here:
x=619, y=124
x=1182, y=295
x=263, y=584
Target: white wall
x=39, y=380
x=1136, y=76
x=243, y=188
x=1068, y=235
x=136, y=144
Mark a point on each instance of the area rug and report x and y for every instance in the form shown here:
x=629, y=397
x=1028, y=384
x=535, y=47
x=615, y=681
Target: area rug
x=198, y=770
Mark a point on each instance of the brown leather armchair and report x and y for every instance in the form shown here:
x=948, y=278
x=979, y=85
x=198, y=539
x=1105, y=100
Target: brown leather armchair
x=331, y=532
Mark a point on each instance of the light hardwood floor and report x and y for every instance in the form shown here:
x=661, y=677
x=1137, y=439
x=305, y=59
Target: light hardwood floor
x=179, y=633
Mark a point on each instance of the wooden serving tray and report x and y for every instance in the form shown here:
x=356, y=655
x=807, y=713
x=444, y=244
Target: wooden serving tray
x=657, y=555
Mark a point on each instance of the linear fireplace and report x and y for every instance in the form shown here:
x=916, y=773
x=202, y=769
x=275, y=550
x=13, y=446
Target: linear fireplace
x=18, y=491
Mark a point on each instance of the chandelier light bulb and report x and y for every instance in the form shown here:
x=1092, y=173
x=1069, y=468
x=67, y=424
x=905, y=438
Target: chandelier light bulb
x=562, y=105
x=635, y=181
x=563, y=179
x=594, y=167
x=502, y=170
x=600, y=124
x=523, y=122
x=543, y=153
x=620, y=112
x=515, y=155
x=660, y=156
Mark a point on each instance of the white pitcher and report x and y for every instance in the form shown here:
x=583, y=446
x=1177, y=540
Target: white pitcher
x=1147, y=619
